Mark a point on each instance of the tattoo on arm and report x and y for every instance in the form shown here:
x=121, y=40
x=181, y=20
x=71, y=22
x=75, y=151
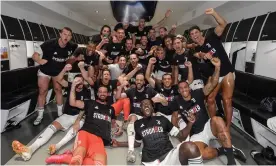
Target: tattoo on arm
x=212, y=82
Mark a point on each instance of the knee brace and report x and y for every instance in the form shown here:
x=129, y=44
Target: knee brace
x=130, y=129
x=52, y=127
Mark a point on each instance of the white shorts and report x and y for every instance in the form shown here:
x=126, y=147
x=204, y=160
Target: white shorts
x=137, y=116
x=221, y=78
x=205, y=136
x=66, y=121
x=40, y=74
x=172, y=158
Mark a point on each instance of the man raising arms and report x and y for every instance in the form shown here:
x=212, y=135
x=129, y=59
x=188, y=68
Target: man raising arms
x=55, y=53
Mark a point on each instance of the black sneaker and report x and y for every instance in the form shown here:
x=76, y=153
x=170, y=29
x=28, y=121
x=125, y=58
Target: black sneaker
x=238, y=154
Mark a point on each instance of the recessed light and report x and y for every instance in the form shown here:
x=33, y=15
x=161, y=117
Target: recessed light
x=104, y=19
x=97, y=11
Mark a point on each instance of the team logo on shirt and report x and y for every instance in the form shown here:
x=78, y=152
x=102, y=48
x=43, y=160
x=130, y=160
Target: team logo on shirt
x=152, y=130
x=147, y=96
x=101, y=117
x=158, y=122
x=208, y=45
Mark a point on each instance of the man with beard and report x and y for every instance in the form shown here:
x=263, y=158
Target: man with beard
x=209, y=47
x=133, y=69
x=136, y=95
x=154, y=132
x=64, y=122
x=54, y=53
x=94, y=135
x=114, y=48
x=111, y=85
x=190, y=105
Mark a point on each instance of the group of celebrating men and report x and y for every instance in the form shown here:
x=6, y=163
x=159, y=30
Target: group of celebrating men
x=157, y=83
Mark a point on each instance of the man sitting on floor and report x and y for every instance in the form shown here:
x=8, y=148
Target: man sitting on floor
x=63, y=122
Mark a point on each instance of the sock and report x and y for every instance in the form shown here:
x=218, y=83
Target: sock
x=40, y=112
x=230, y=156
x=70, y=134
x=59, y=107
x=220, y=151
x=131, y=136
x=126, y=108
x=43, y=138
x=195, y=161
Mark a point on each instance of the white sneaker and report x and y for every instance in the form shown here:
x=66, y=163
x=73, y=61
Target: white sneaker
x=131, y=156
x=38, y=120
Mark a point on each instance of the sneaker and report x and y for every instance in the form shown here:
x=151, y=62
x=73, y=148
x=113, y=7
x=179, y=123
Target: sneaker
x=238, y=154
x=125, y=124
x=38, y=120
x=52, y=149
x=64, y=158
x=131, y=156
x=23, y=151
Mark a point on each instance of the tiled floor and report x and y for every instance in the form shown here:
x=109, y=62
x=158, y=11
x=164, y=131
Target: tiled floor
x=28, y=132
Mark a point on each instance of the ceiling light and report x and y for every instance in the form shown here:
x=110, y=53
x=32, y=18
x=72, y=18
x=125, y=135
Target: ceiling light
x=104, y=19
x=97, y=11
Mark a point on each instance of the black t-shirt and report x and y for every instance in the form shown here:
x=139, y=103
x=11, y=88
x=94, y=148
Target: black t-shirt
x=56, y=56
x=82, y=95
x=195, y=104
x=128, y=31
x=112, y=85
x=213, y=43
x=156, y=42
x=98, y=120
x=163, y=65
x=169, y=94
x=97, y=39
x=154, y=133
x=170, y=55
x=136, y=97
x=143, y=59
x=114, y=50
x=92, y=60
x=179, y=61
x=129, y=68
x=138, y=34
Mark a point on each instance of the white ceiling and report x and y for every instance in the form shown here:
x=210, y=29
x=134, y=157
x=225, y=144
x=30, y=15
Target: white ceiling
x=88, y=9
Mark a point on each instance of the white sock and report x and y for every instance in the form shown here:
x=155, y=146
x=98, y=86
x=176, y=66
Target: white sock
x=40, y=112
x=195, y=161
x=43, y=138
x=70, y=134
x=59, y=107
x=131, y=136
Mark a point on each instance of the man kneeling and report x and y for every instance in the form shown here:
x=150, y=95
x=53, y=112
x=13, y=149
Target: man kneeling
x=158, y=149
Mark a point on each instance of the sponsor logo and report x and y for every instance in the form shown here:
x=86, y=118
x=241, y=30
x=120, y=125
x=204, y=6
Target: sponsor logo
x=152, y=130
